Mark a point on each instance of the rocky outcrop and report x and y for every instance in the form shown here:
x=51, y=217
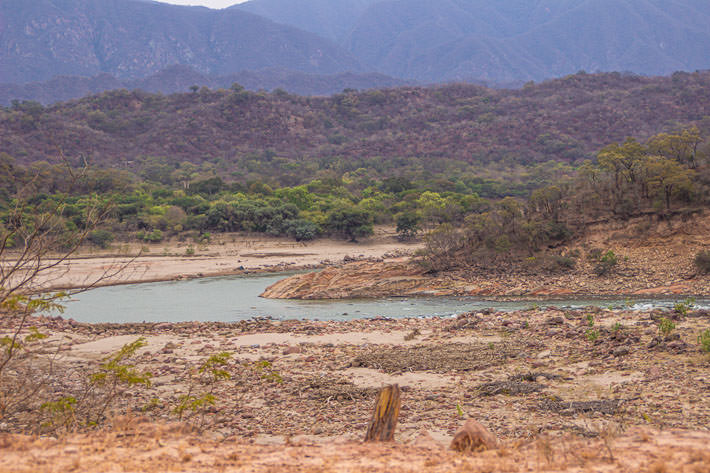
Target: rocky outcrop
x=360, y=279
x=367, y=279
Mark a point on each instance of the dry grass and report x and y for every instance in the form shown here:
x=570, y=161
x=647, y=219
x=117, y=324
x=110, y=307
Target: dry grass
x=135, y=445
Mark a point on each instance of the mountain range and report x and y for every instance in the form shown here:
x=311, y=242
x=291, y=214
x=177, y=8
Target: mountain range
x=288, y=43
x=507, y=40
x=132, y=39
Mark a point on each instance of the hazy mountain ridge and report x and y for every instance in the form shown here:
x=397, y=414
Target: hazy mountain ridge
x=516, y=40
x=180, y=78
x=327, y=18
x=132, y=39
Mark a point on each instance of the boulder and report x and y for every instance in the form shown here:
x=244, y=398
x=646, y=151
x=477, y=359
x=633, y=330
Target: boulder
x=472, y=437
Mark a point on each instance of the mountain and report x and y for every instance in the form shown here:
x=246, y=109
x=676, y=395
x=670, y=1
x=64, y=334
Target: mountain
x=180, y=78
x=507, y=40
x=327, y=18
x=567, y=119
x=131, y=39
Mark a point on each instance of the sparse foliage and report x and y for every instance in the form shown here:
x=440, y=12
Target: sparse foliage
x=665, y=327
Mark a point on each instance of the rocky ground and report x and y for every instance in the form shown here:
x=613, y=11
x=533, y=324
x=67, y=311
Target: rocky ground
x=545, y=381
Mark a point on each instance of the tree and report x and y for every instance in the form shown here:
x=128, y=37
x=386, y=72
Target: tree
x=35, y=243
x=667, y=178
x=408, y=225
x=351, y=222
x=682, y=147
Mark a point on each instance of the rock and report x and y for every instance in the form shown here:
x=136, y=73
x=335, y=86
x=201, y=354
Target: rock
x=471, y=437
x=291, y=350
x=544, y=354
x=621, y=351
x=359, y=279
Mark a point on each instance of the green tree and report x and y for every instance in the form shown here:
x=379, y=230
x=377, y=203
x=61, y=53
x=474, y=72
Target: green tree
x=352, y=222
x=408, y=225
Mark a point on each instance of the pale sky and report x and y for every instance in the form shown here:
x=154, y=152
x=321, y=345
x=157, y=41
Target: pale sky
x=204, y=3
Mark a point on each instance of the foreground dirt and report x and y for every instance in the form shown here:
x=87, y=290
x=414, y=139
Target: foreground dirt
x=135, y=446
x=654, y=259
x=577, y=390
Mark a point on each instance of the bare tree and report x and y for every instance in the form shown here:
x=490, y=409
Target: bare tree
x=36, y=244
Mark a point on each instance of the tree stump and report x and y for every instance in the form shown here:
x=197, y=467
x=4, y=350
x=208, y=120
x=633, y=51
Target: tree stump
x=384, y=417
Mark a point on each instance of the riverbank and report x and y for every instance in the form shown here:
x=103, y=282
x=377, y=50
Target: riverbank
x=541, y=380
x=226, y=254
x=650, y=259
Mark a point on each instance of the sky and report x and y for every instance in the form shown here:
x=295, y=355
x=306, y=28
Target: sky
x=205, y=3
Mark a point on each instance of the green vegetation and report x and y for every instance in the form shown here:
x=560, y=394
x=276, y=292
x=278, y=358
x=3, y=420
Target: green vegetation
x=682, y=308
x=200, y=395
x=463, y=165
x=704, y=341
x=665, y=327
x=592, y=334
x=88, y=407
x=666, y=175
x=606, y=263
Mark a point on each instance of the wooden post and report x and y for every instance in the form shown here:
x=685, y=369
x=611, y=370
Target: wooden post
x=384, y=417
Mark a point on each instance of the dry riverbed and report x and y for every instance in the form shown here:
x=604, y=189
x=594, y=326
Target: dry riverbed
x=581, y=390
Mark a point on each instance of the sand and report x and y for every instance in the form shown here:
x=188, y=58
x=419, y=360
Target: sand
x=225, y=254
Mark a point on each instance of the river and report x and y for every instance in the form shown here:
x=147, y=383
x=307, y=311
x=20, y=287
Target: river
x=233, y=298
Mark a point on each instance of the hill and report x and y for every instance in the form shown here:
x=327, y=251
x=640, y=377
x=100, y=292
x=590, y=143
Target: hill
x=180, y=78
x=132, y=39
x=568, y=119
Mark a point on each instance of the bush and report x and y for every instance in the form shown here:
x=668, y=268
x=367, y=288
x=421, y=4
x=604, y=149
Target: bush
x=704, y=341
x=100, y=238
x=682, y=308
x=702, y=261
x=665, y=327
x=154, y=236
x=606, y=263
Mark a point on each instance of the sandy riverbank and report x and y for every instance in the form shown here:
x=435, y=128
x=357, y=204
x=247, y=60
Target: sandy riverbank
x=225, y=254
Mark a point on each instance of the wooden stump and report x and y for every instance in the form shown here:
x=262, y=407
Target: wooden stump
x=384, y=417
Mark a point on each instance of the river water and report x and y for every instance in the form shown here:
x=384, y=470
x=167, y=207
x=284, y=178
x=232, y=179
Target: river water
x=234, y=298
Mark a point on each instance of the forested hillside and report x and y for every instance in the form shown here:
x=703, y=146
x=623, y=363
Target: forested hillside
x=280, y=137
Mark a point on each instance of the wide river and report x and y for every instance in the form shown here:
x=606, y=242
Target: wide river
x=233, y=298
